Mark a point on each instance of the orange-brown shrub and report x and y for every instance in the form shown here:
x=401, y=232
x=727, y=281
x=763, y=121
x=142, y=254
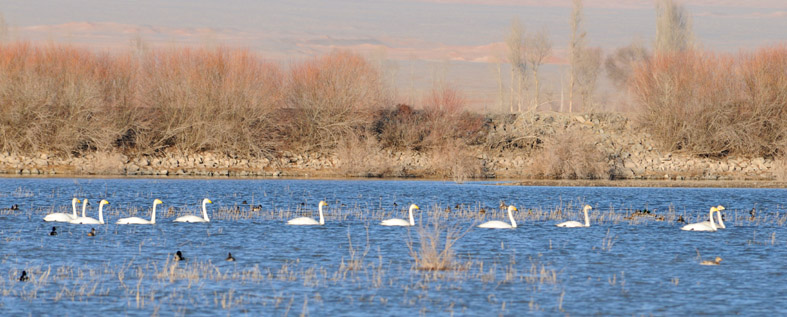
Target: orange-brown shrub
x=442, y=120
x=715, y=104
x=54, y=98
x=207, y=100
x=331, y=97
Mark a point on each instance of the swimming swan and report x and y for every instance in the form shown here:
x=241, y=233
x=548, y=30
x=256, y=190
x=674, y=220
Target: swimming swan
x=577, y=224
x=92, y=221
x=140, y=221
x=719, y=222
x=496, y=224
x=64, y=217
x=305, y=221
x=192, y=218
x=402, y=222
x=702, y=226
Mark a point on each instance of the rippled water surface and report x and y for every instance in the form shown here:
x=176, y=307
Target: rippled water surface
x=352, y=266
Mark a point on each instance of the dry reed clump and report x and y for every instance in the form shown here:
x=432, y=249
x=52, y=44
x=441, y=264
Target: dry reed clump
x=435, y=246
x=715, y=104
x=780, y=167
x=456, y=161
x=570, y=154
x=362, y=156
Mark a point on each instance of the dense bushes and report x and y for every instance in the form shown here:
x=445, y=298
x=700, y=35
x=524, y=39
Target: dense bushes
x=715, y=104
x=65, y=100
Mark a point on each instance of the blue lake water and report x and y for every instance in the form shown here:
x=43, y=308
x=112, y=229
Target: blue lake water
x=614, y=267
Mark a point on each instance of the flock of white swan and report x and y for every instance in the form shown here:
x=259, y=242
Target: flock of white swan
x=708, y=225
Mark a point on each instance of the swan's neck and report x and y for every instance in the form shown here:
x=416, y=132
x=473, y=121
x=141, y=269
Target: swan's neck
x=511, y=217
x=205, y=211
x=587, y=219
x=74, y=207
x=84, y=206
x=153, y=214
x=412, y=221
x=712, y=224
x=322, y=220
x=101, y=214
x=718, y=218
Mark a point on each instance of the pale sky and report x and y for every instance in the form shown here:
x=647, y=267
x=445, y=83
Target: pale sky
x=420, y=38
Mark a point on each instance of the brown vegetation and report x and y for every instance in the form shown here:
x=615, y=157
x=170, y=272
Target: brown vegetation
x=716, y=104
x=570, y=154
x=64, y=100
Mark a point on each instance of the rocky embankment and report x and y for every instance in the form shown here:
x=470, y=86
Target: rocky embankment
x=630, y=154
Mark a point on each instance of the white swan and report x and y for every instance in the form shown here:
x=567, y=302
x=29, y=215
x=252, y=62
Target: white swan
x=496, y=224
x=140, y=221
x=192, y=218
x=577, y=224
x=64, y=217
x=305, y=221
x=92, y=221
x=719, y=222
x=402, y=222
x=702, y=226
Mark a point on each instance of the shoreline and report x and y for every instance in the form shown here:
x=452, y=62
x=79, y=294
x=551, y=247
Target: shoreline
x=627, y=183
x=626, y=157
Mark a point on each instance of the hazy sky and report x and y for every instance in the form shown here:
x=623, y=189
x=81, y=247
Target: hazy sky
x=453, y=32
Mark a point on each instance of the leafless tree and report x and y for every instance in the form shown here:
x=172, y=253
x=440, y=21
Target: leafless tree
x=620, y=65
x=515, y=44
x=673, y=27
x=3, y=29
x=537, y=48
x=587, y=69
x=575, y=48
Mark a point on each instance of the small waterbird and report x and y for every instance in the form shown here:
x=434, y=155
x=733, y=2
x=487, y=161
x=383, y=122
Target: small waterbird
x=715, y=261
x=54, y=232
x=179, y=256
x=24, y=277
x=92, y=232
x=229, y=257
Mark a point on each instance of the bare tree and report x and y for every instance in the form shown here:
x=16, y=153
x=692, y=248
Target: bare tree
x=620, y=65
x=587, y=69
x=537, y=48
x=673, y=27
x=575, y=48
x=515, y=43
x=3, y=29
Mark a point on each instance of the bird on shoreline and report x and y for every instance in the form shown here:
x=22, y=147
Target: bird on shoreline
x=54, y=232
